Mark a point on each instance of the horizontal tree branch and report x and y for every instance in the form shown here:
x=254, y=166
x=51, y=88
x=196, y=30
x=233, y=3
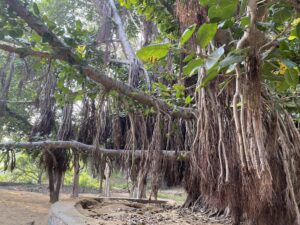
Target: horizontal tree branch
x=24, y=52
x=84, y=147
x=64, y=52
x=18, y=102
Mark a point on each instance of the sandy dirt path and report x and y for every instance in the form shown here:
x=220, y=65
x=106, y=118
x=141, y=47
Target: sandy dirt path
x=22, y=208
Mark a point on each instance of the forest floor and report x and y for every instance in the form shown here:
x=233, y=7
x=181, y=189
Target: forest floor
x=29, y=205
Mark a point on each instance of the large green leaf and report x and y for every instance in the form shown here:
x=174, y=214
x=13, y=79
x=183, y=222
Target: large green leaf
x=292, y=77
x=282, y=15
x=16, y=33
x=192, y=67
x=206, y=33
x=187, y=34
x=214, y=57
x=222, y=12
x=36, y=9
x=211, y=74
x=231, y=59
x=189, y=57
x=152, y=53
x=207, y=2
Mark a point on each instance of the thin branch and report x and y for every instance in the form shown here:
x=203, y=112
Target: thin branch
x=273, y=42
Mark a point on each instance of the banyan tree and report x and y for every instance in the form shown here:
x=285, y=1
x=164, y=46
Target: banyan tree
x=207, y=94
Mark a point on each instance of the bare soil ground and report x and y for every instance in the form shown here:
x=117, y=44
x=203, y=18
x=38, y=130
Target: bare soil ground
x=22, y=205
x=22, y=208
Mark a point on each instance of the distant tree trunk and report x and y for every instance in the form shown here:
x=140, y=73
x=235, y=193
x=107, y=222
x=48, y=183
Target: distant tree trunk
x=40, y=176
x=75, y=190
x=5, y=82
x=101, y=184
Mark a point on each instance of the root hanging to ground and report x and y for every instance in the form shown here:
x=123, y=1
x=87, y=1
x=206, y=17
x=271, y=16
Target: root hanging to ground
x=246, y=152
x=5, y=82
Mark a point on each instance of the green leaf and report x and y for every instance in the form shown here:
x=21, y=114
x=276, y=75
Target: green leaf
x=245, y=21
x=35, y=37
x=222, y=12
x=188, y=100
x=292, y=77
x=282, y=15
x=288, y=63
x=78, y=25
x=272, y=77
x=231, y=59
x=187, y=34
x=179, y=89
x=207, y=2
x=189, y=57
x=210, y=75
x=61, y=83
x=206, y=33
x=282, y=86
x=214, y=57
x=152, y=53
x=192, y=67
x=36, y=9
x=16, y=33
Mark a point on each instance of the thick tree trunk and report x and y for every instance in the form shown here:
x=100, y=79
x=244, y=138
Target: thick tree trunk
x=53, y=197
x=142, y=184
x=55, y=181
